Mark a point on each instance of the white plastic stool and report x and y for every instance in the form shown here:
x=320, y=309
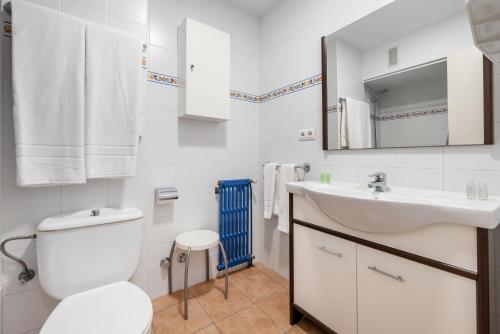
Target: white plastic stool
x=197, y=240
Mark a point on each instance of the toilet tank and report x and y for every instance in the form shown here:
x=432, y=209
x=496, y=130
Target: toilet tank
x=78, y=251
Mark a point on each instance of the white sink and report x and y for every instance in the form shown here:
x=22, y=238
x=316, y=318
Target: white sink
x=398, y=210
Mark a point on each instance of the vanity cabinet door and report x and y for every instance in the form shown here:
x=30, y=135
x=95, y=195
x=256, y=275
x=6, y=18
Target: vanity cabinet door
x=397, y=296
x=325, y=278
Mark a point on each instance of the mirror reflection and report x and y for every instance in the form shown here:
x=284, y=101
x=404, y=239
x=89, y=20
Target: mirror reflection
x=407, y=75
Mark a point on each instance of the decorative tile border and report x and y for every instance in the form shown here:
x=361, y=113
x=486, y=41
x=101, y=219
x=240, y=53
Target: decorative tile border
x=244, y=96
x=292, y=88
x=411, y=114
x=295, y=87
x=163, y=79
x=400, y=115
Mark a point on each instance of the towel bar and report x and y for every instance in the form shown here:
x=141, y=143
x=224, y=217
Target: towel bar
x=305, y=166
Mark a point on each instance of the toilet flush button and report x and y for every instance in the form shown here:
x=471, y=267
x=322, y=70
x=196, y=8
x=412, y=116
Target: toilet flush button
x=95, y=212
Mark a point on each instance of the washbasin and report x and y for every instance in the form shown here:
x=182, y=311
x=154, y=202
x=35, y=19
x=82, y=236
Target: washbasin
x=400, y=209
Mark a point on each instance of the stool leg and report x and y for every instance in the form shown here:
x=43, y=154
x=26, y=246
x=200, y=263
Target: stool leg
x=186, y=280
x=226, y=270
x=169, y=271
x=207, y=262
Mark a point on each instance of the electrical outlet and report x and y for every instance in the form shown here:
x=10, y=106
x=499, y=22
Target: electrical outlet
x=307, y=134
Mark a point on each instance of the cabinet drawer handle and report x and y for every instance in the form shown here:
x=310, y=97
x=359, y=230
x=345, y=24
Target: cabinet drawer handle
x=324, y=249
x=397, y=278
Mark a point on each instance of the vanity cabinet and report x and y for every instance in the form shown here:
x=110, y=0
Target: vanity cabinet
x=352, y=285
x=327, y=278
x=203, y=67
x=397, y=296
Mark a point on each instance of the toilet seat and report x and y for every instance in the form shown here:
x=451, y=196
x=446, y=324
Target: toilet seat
x=115, y=308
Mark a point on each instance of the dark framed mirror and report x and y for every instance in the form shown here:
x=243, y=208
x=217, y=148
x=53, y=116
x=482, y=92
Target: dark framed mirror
x=407, y=75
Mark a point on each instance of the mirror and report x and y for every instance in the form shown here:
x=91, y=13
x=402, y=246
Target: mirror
x=407, y=75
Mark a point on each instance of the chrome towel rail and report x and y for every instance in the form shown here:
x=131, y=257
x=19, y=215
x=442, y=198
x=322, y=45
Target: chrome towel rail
x=27, y=274
x=305, y=166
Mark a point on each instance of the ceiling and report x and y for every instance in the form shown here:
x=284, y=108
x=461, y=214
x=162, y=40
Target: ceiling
x=256, y=7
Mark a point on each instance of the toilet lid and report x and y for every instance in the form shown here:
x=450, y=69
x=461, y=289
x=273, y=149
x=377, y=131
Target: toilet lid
x=115, y=308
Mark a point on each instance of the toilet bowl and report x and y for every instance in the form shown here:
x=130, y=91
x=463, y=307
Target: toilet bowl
x=114, y=308
x=85, y=259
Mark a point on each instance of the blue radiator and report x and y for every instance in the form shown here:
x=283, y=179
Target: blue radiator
x=235, y=221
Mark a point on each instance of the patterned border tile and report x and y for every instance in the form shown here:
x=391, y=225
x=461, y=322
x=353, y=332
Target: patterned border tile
x=163, y=79
x=292, y=88
x=401, y=115
x=411, y=114
x=295, y=87
x=244, y=96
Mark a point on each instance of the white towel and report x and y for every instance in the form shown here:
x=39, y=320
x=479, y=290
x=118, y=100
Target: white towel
x=113, y=102
x=343, y=126
x=48, y=77
x=359, y=129
x=270, y=178
x=287, y=174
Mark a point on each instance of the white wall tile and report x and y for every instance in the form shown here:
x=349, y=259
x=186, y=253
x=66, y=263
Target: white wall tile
x=79, y=9
x=134, y=10
x=22, y=319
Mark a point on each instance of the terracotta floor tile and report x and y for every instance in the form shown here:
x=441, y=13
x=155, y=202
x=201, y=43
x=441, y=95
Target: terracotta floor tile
x=206, y=287
x=248, y=321
x=168, y=300
x=217, y=307
x=276, y=277
x=243, y=273
x=170, y=320
x=260, y=266
x=277, y=307
x=209, y=330
x=258, y=286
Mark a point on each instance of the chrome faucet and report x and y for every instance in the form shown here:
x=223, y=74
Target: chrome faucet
x=379, y=183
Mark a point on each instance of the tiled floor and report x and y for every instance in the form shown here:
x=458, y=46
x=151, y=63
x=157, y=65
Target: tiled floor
x=258, y=303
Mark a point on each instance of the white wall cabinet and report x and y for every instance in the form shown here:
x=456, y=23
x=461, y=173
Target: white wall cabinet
x=325, y=278
x=203, y=68
x=351, y=288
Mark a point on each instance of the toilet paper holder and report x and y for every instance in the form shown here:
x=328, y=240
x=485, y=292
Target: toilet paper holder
x=166, y=194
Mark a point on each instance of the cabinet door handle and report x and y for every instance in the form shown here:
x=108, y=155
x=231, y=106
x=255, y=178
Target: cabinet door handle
x=397, y=278
x=324, y=249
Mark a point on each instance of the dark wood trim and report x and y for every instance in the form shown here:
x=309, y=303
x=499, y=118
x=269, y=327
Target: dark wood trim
x=482, y=287
x=315, y=321
x=324, y=92
x=295, y=315
x=488, y=100
x=394, y=251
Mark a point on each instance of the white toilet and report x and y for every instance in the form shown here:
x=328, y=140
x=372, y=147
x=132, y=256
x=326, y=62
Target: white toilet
x=85, y=259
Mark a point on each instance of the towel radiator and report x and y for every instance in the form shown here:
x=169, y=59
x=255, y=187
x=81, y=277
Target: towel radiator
x=235, y=221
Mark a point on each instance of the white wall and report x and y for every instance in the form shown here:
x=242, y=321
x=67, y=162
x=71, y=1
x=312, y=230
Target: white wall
x=189, y=154
x=290, y=51
x=422, y=46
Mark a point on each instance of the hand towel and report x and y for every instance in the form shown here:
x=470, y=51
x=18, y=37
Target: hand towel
x=113, y=100
x=48, y=78
x=343, y=125
x=359, y=129
x=287, y=174
x=270, y=175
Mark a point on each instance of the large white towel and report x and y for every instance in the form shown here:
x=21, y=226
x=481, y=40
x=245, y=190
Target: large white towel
x=48, y=75
x=113, y=102
x=359, y=129
x=287, y=174
x=270, y=178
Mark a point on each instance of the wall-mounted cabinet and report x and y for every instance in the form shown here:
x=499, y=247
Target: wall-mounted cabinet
x=203, y=68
